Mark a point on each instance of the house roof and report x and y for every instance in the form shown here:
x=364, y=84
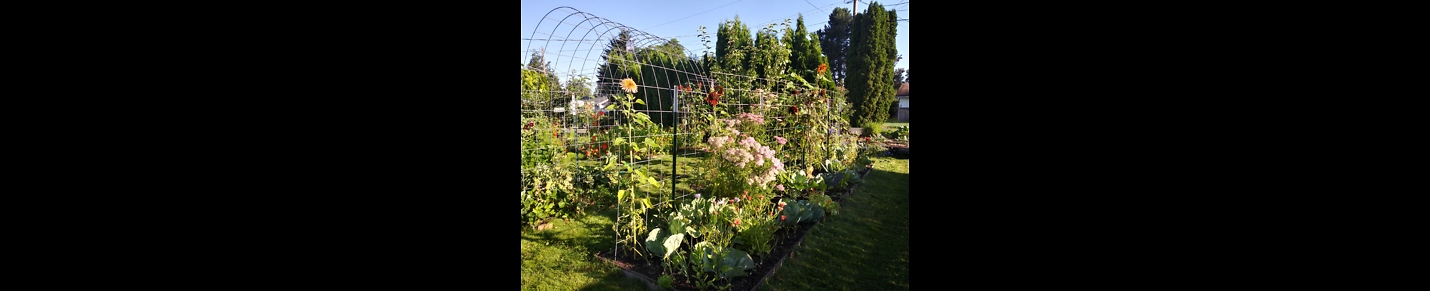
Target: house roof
x=903, y=90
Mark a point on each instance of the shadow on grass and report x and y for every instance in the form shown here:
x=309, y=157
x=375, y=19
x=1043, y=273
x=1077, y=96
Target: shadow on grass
x=865, y=247
x=563, y=258
x=615, y=281
x=592, y=233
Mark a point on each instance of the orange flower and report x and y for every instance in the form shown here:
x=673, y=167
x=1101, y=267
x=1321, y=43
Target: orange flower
x=628, y=85
x=822, y=68
x=737, y=222
x=714, y=97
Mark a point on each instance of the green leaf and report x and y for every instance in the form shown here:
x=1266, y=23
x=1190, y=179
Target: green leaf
x=653, y=182
x=646, y=201
x=620, y=194
x=640, y=101
x=672, y=244
x=704, y=256
x=735, y=263
x=655, y=241
x=677, y=223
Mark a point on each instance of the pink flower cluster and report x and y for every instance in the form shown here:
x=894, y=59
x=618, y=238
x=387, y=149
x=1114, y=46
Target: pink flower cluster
x=752, y=118
x=731, y=122
x=781, y=140
x=718, y=142
x=748, y=150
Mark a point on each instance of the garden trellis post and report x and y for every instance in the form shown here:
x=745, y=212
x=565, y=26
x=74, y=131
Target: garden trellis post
x=647, y=59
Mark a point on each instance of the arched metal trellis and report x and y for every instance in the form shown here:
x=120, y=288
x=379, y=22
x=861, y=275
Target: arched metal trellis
x=583, y=59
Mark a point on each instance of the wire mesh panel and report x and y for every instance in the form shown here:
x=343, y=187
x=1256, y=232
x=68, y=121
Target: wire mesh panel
x=613, y=117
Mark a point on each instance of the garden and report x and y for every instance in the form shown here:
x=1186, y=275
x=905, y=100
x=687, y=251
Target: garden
x=693, y=178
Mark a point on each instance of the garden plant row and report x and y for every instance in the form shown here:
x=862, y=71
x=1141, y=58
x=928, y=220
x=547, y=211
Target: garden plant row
x=772, y=168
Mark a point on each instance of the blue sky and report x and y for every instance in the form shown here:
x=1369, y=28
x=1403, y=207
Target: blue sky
x=681, y=20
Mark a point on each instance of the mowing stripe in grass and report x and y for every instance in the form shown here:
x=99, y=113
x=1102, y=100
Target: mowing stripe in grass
x=561, y=258
x=865, y=247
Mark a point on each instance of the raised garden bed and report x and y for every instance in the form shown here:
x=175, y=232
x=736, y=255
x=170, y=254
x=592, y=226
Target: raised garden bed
x=787, y=246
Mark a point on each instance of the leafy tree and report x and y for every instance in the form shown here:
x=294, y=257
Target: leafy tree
x=871, y=58
x=577, y=86
x=899, y=80
x=540, y=82
x=663, y=70
x=770, y=58
x=732, y=42
x=617, y=62
x=899, y=77
x=806, y=54
x=834, y=40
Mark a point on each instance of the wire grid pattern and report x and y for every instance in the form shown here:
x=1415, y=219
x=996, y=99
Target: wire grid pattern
x=672, y=91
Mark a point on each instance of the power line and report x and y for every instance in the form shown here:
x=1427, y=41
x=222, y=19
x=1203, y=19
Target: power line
x=797, y=14
x=683, y=18
x=811, y=4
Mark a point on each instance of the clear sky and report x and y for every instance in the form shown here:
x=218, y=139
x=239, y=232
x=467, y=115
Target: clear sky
x=681, y=19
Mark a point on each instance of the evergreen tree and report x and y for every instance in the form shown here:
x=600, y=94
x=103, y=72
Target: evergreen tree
x=899, y=78
x=806, y=55
x=871, y=58
x=617, y=62
x=732, y=42
x=834, y=40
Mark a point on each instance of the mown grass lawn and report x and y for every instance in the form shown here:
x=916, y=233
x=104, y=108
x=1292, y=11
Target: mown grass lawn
x=892, y=126
x=865, y=247
x=562, y=258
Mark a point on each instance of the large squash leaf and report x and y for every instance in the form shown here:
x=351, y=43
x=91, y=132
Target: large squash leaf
x=655, y=242
x=735, y=263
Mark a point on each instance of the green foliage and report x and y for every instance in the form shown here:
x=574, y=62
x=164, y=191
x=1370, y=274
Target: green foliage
x=664, y=243
x=871, y=57
x=869, y=251
x=806, y=55
x=665, y=281
x=659, y=61
x=757, y=232
x=873, y=128
x=739, y=163
x=798, y=183
x=732, y=42
x=900, y=134
x=834, y=41
x=724, y=262
x=828, y=204
x=800, y=211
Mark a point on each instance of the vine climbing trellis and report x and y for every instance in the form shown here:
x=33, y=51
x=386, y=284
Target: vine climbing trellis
x=579, y=112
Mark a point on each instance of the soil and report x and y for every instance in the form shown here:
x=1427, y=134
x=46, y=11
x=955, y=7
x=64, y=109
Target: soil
x=897, y=149
x=787, y=242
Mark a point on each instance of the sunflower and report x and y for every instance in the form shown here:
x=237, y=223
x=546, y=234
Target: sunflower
x=628, y=85
x=822, y=68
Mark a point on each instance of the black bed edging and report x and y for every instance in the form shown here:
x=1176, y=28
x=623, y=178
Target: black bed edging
x=653, y=286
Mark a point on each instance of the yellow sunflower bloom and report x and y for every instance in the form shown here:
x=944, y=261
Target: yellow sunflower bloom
x=628, y=85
